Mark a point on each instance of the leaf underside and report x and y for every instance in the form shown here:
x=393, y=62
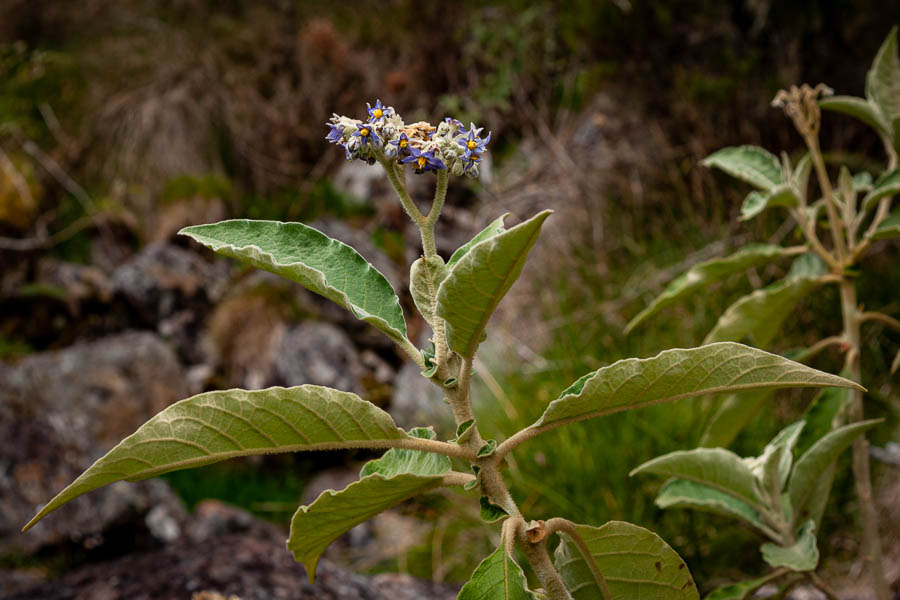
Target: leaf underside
x=681, y=493
x=802, y=555
x=497, y=577
x=732, y=415
x=220, y=425
x=752, y=164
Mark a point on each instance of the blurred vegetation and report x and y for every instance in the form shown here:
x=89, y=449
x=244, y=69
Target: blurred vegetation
x=147, y=105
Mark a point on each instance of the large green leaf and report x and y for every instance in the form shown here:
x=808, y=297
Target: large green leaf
x=752, y=164
x=717, y=468
x=781, y=195
x=738, y=591
x=495, y=228
x=425, y=276
x=733, y=414
x=864, y=110
x=883, y=79
x=312, y=259
x=681, y=493
x=675, y=374
x=889, y=228
x=632, y=562
x=397, y=476
x=760, y=314
x=802, y=555
x=705, y=273
x=821, y=417
x=812, y=464
x=216, y=426
x=479, y=280
x=888, y=184
x=497, y=577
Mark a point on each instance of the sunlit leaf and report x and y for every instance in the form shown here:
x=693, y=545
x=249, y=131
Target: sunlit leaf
x=312, y=259
x=752, y=164
x=497, y=577
x=220, y=425
x=630, y=561
x=802, y=555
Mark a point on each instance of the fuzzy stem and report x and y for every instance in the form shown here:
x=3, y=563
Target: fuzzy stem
x=537, y=557
x=427, y=226
x=400, y=187
x=837, y=229
x=438, y=447
x=883, y=318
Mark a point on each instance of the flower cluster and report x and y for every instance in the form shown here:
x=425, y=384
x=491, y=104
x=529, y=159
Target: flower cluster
x=383, y=136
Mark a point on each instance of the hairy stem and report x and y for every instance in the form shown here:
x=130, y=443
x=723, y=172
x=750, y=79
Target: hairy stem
x=412, y=352
x=871, y=546
x=881, y=317
x=837, y=229
x=400, y=187
x=536, y=555
x=808, y=228
x=426, y=228
x=438, y=447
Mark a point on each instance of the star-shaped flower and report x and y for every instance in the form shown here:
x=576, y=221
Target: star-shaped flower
x=472, y=143
x=366, y=134
x=379, y=112
x=423, y=161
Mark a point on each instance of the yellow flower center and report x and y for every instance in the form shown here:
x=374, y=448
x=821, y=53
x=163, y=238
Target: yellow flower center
x=421, y=161
x=377, y=113
x=364, y=132
x=471, y=144
x=404, y=143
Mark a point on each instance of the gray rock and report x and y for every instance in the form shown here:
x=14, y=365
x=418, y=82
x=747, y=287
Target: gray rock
x=318, y=353
x=59, y=412
x=418, y=403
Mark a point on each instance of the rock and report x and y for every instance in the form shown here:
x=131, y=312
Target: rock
x=318, y=353
x=62, y=410
x=418, y=403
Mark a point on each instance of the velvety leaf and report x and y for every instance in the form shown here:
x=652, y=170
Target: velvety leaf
x=732, y=415
x=752, y=164
x=495, y=228
x=886, y=185
x=818, y=499
x=385, y=482
x=681, y=493
x=756, y=202
x=813, y=462
x=860, y=108
x=479, y=280
x=717, y=468
x=883, y=79
x=497, y=577
x=889, y=228
x=821, y=416
x=787, y=439
x=216, y=426
x=312, y=259
x=675, y=374
x=632, y=562
x=425, y=276
x=803, y=555
x=705, y=273
x=738, y=591
x=800, y=175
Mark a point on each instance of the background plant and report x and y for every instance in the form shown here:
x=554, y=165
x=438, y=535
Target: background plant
x=457, y=298
x=855, y=212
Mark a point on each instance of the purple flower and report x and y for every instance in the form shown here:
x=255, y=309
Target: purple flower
x=367, y=134
x=423, y=161
x=459, y=126
x=473, y=143
x=378, y=112
x=336, y=134
x=472, y=158
x=402, y=144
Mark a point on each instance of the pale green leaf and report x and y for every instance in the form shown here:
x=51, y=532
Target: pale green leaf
x=752, y=164
x=860, y=108
x=681, y=493
x=312, y=259
x=676, y=374
x=216, y=426
x=716, y=468
x=495, y=228
x=802, y=555
x=888, y=184
x=862, y=181
x=479, y=280
x=883, y=79
x=822, y=416
x=818, y=499
x=889, y=228
x=732, y=415
x=738, y=591
x=385, y=482
x=425, y=276
x=631, y=561
x=705, y=273
x=787, y=439
x=813, y=462
x=800, y=175
x=756, y=202
x=497, y=577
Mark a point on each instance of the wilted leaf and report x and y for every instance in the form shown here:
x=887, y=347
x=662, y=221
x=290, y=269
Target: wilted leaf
x=752, y=164
x=498, y=577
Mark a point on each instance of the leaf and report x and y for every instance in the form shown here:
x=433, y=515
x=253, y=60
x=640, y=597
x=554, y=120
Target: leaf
x=738, y=591
x=889, y=228
x=676, y=374
x=802, y=555
x=821, y=416
x=490, y=512
x=860, y=108
x=883, y=79
x=317, y=262
x=862, y=181
x=733, y=414
x=497, y=577
x=425, y=276
x=219, y=425
x=385, y=482
x=752, y=164
x=495, y=228
x=716, y=468
x=895, y=364
x=633, y=563
x=479, y=280
x=800, y=176
x=888, y=184
x=705, y=273
x=787, y=439
x=761, y=313
x=681, y=493
x=813, y=462
x=756, y=202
